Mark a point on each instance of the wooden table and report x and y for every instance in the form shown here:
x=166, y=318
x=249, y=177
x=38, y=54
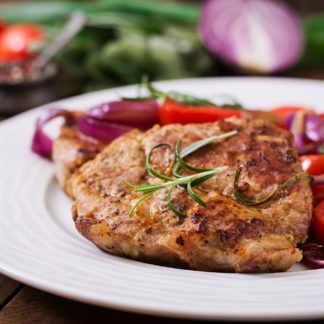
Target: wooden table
x=22, y=304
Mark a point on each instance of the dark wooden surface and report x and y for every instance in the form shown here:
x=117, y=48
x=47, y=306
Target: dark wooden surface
x=22, y=304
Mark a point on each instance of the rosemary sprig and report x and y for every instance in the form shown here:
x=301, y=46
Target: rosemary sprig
x=184, y=98
x=186, y=182
x=149, y=189
x=254, y=203
x=146, y=98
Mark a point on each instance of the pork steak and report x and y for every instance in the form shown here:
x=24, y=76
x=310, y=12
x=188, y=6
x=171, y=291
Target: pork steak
x=223, y=236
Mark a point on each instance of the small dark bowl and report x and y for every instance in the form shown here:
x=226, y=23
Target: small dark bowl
x=24, y=93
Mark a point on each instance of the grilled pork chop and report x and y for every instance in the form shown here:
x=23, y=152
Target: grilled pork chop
x=225, y=235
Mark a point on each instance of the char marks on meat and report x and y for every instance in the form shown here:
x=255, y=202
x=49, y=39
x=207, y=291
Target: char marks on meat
x=225, y=235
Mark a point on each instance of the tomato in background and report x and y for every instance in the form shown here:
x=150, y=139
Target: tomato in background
x=318, y=223
x=318, y=193
x=18, y=41
x=175, y=112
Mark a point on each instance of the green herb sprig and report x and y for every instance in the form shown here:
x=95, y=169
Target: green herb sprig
x=184, y=181
x=155, y=93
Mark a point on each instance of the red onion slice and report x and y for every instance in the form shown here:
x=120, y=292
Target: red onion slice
x=314, y=127
x=41, y=142
x=308, y=131
x=255, y=35
x=297, y=127
x=313, y=255
x=139, y=114
x=101, y=129
x=104, y=122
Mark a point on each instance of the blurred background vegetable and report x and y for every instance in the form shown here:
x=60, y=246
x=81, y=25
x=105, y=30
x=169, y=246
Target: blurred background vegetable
x=18, y=42
x=264, y=36
x=122, y=41
x=126, y=39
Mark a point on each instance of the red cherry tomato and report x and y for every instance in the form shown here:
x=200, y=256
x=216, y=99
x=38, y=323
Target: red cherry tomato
x=318, y=223
x=17, y=41
x=318, y=193
x=175, y=112
x=313, y=164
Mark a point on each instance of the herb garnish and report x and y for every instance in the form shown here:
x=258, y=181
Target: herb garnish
x=185, y=181
x=186, y=99
x=189, y=181
x=253, y=203
x=180, y=97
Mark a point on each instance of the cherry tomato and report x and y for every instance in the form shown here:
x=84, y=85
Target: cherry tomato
x=17, y=41
x=318, y=223
x=313, y=164
x=318, y=193
x=174, y=112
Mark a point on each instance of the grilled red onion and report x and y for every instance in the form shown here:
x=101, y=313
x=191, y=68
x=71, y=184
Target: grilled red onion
x=139, y=114
x=254, y=35
x=314, y=128
x=104, y=122
x=41, y=142
x=308, y=131
x=101, y=129
x=313, y=255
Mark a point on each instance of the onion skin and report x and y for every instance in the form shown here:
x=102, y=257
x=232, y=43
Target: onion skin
x=308, y=131
x=41, y=143
x=259, y=36
x=138, y=114
x=104, y=122
x=314, y=127
x=100, y=129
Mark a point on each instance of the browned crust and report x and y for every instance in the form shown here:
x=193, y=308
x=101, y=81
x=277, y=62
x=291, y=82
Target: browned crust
x=225, y=236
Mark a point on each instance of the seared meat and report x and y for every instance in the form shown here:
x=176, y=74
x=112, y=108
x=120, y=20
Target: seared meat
x=225, y=235
x=70, y=151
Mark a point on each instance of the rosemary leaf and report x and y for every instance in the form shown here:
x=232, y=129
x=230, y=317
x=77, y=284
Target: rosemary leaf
x=189, y=100
x=193, y=195
x=183, y=163
x=253, y=203
x=151, y=169
x=172, y=206
x=199, y=144
x=147, y=98
x=139, y=201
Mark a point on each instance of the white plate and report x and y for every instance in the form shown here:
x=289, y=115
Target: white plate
x=40, y=246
